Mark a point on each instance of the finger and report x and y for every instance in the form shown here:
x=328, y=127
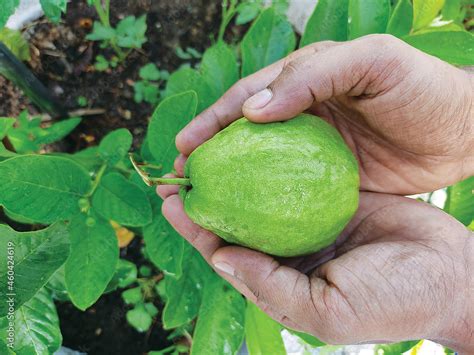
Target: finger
x=229, y=107
x=316, y=77
x=164, y=191
x=277, y=289
x=203, y=240
x=179, y=164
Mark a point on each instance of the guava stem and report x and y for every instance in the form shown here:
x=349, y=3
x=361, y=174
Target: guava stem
x=171, y=181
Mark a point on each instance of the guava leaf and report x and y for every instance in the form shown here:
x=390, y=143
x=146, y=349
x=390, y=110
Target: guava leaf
x=262, y=333
x=367, y=16
x=57, y=131
x=183, y=295
x=451, y=10
x=57, y=285
x=30, y=259
x=36, y=326
x=219, y=69
x=395, y=349
x=247, y=11
x=42, y=188
x=8, y=8
x=5, y=125
x=187, y=79
x=171, y=115
x=115, y=145
x=122, y=201
x=93, y=259
x=53, y=9
x=401, y=19
x=269, y=39
x=220, y=325
x=455, y=47
x=460, y=201
x=424, y=12
x=328, y=22
x=307, y=338
x=164, y=246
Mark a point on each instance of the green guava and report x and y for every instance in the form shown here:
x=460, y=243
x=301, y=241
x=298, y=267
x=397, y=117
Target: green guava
x=284, y=188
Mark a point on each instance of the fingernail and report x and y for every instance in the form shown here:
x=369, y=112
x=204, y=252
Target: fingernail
x=224, y=267
x=259, y=100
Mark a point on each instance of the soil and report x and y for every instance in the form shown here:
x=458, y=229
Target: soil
x=62, y=59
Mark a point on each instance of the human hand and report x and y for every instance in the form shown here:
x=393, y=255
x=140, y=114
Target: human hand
x=408, y=117
x=401, y=270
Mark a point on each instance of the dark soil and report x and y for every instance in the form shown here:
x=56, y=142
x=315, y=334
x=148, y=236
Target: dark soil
x=63, y=61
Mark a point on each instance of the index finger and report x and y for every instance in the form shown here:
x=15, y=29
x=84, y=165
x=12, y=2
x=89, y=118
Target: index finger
x=229, y=107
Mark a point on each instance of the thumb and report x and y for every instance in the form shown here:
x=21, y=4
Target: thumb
x=279, y=290
x=316, y=77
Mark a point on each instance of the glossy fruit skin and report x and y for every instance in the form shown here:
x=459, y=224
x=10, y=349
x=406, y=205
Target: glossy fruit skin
x=284, y=188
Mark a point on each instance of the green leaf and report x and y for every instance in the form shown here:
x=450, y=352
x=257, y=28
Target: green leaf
x=53, y=9
x=455, y=47
x=125, y=274
x=101, y=33
x=164, y=246
x=5, y=125
x=401, y=20
x=187, y=79
x=367, y=17
x=42, y=188
x=8, y=8
x=28, y=260
x=36, y=326
x=57, y=285
x=262, y=333
x=424, y=12
x=151, y=309
x=115, y=145
x=219, y=69
x=122, y=201
x=307, y=338
x=183, y=295
x=451, y=10
x=328, y=22
x=269, y=39
x=169, y=118
x=395, y=349
x=460, y=201
x=15, y=42
x=139, y=318
x=58, y=131
x=247, y=11
x=131, y=32
x=132, y=296
x=93, y=259
x=220, y=325
x=149, y=72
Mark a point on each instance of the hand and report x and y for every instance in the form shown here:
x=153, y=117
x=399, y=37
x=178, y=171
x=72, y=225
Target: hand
x=402, y=270
x=408, y=117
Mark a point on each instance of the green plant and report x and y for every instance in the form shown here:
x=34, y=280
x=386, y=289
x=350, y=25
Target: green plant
x=148, y=88
x=77, y=256
x=129, y=34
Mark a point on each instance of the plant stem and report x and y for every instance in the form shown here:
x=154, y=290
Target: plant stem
x=97, y=179
x=228, y=11
x=171, y=181
x=104, y=14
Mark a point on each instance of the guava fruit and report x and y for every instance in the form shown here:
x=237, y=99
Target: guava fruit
x=284, y=188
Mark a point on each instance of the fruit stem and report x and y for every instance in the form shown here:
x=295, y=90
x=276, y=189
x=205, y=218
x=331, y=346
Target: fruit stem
x=171, y=181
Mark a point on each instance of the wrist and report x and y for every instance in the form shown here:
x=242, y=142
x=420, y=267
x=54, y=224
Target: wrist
x=457, y=330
